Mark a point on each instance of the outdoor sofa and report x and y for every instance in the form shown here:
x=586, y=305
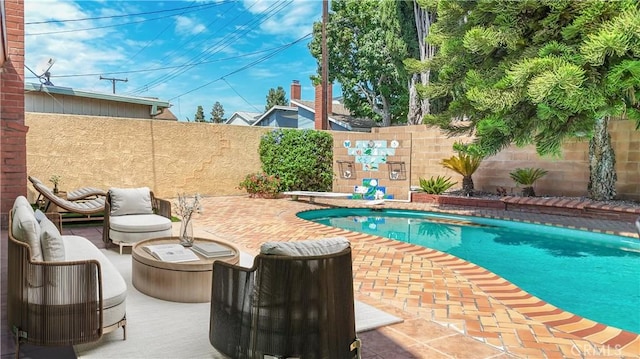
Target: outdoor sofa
x=61, y=289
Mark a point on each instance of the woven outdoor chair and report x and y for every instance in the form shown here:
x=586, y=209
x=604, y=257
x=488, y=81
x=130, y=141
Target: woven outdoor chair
x=86, y=207
x=78, y=194
x=298, y=305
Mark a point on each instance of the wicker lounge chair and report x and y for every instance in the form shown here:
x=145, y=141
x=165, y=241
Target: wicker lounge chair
x=82, y=193
x=85, y=207
x=296, y=301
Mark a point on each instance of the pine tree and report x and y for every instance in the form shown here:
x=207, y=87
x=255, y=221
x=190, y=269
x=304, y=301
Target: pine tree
x=217, y=113
x=199, y=116
x=538, y=72
x=276, y=97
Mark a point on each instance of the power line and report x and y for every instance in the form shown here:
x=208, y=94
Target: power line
x=114, y=25
x=117, y=16
x=247, y=27
x=190, y=38
x=262, y=59
x=239, y=95
x=217, y=47
x=164, y=68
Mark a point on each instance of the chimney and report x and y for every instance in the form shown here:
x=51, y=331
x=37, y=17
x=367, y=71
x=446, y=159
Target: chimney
x=295, y=92
x=318, y=105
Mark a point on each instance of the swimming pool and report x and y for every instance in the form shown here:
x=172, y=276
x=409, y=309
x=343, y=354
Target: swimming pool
x=593, y=275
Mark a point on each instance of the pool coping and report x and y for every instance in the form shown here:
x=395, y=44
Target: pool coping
x=600, y=336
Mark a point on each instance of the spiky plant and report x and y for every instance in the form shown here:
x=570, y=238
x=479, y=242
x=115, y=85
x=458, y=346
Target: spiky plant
x=436, y=185
x=527, y=177
x=465, y=165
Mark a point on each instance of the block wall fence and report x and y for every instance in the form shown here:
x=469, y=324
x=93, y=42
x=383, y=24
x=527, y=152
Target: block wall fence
x=211, y=159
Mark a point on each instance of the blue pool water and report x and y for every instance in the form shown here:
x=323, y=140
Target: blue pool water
x=593, y=275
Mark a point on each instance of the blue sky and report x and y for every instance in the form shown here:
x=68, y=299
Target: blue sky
x=189, y=53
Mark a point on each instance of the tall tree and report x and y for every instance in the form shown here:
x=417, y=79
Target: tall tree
x=199, y=116
x=276, y=97
x=538, y=72
x=367, y=41
x=420, y=74
x=217, y=113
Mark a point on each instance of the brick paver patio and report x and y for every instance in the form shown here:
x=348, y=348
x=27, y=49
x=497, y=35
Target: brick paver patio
x=451, y=308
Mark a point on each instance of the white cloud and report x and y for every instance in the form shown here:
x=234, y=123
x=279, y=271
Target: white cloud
x=188, y=26
x=295, y=20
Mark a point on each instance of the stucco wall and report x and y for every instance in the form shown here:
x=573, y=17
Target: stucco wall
x=169, y=157
x=568, y=176
x=211, y=159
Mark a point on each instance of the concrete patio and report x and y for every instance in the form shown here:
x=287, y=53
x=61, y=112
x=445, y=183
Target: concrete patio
x=451, y=308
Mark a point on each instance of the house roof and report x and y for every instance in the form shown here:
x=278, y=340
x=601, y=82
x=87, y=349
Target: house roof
x=341, y=116
x=274, y=109
x=166, y=114
x=157, y=105
x=248, y=117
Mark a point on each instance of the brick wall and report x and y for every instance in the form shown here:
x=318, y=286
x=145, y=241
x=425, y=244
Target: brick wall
x=12, y=129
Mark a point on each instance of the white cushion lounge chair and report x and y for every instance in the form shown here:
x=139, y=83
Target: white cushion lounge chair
x=133, y=215
x=86, y=207
x=78, y=194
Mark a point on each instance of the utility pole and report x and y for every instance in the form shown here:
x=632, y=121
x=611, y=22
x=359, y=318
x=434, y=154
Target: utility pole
x=113, y=82
x=325, y=65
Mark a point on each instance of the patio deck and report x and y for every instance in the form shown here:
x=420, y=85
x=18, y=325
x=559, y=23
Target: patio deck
x=451, y=308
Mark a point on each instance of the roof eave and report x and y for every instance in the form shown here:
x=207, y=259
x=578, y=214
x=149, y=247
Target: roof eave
x=96, y=95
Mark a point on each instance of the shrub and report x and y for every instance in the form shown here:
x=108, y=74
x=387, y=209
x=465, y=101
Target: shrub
x=261, y=185
x=301, y=159
x=527, y=177
x=465, y=163
x=436, y=185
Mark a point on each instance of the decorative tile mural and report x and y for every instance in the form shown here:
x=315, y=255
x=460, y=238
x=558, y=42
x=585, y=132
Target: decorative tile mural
x=370, y=190
x=371, y=154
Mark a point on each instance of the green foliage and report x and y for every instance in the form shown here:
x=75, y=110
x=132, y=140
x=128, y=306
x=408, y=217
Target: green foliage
x=199, y=116
x=463, y=164
x=261, y=185
x=276, y=97
x=527, y=176
x=537, y=72
x=437, y=185
x=367, y=41
x=301, y=159
x=534, y=72
x=217, y=113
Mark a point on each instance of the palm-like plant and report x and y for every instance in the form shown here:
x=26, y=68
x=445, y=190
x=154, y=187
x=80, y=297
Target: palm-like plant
x=464, y=164
x=527, y=177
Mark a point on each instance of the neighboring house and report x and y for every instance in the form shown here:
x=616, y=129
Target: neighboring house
x=282, y=116
x=242, y=118
x=305, y=115
x=55, y=99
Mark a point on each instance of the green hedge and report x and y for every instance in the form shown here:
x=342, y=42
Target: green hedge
x=301, y=159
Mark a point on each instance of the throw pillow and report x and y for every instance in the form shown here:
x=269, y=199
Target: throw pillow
x=51, y=241
x=130, y=201
x=313, y=247
x=21, y=201
x=25, y=228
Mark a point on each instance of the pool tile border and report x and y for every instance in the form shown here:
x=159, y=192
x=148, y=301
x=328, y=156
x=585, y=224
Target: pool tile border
x=441, y=288
x=596, y=334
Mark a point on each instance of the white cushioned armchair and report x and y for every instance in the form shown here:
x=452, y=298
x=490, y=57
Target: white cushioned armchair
x=133, y=215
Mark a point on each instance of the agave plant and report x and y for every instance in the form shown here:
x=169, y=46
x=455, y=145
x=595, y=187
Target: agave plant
x=527, y=177
x=464, y=164
x=437, y=185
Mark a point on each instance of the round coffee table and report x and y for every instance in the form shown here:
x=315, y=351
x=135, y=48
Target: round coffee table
x=188, y=282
